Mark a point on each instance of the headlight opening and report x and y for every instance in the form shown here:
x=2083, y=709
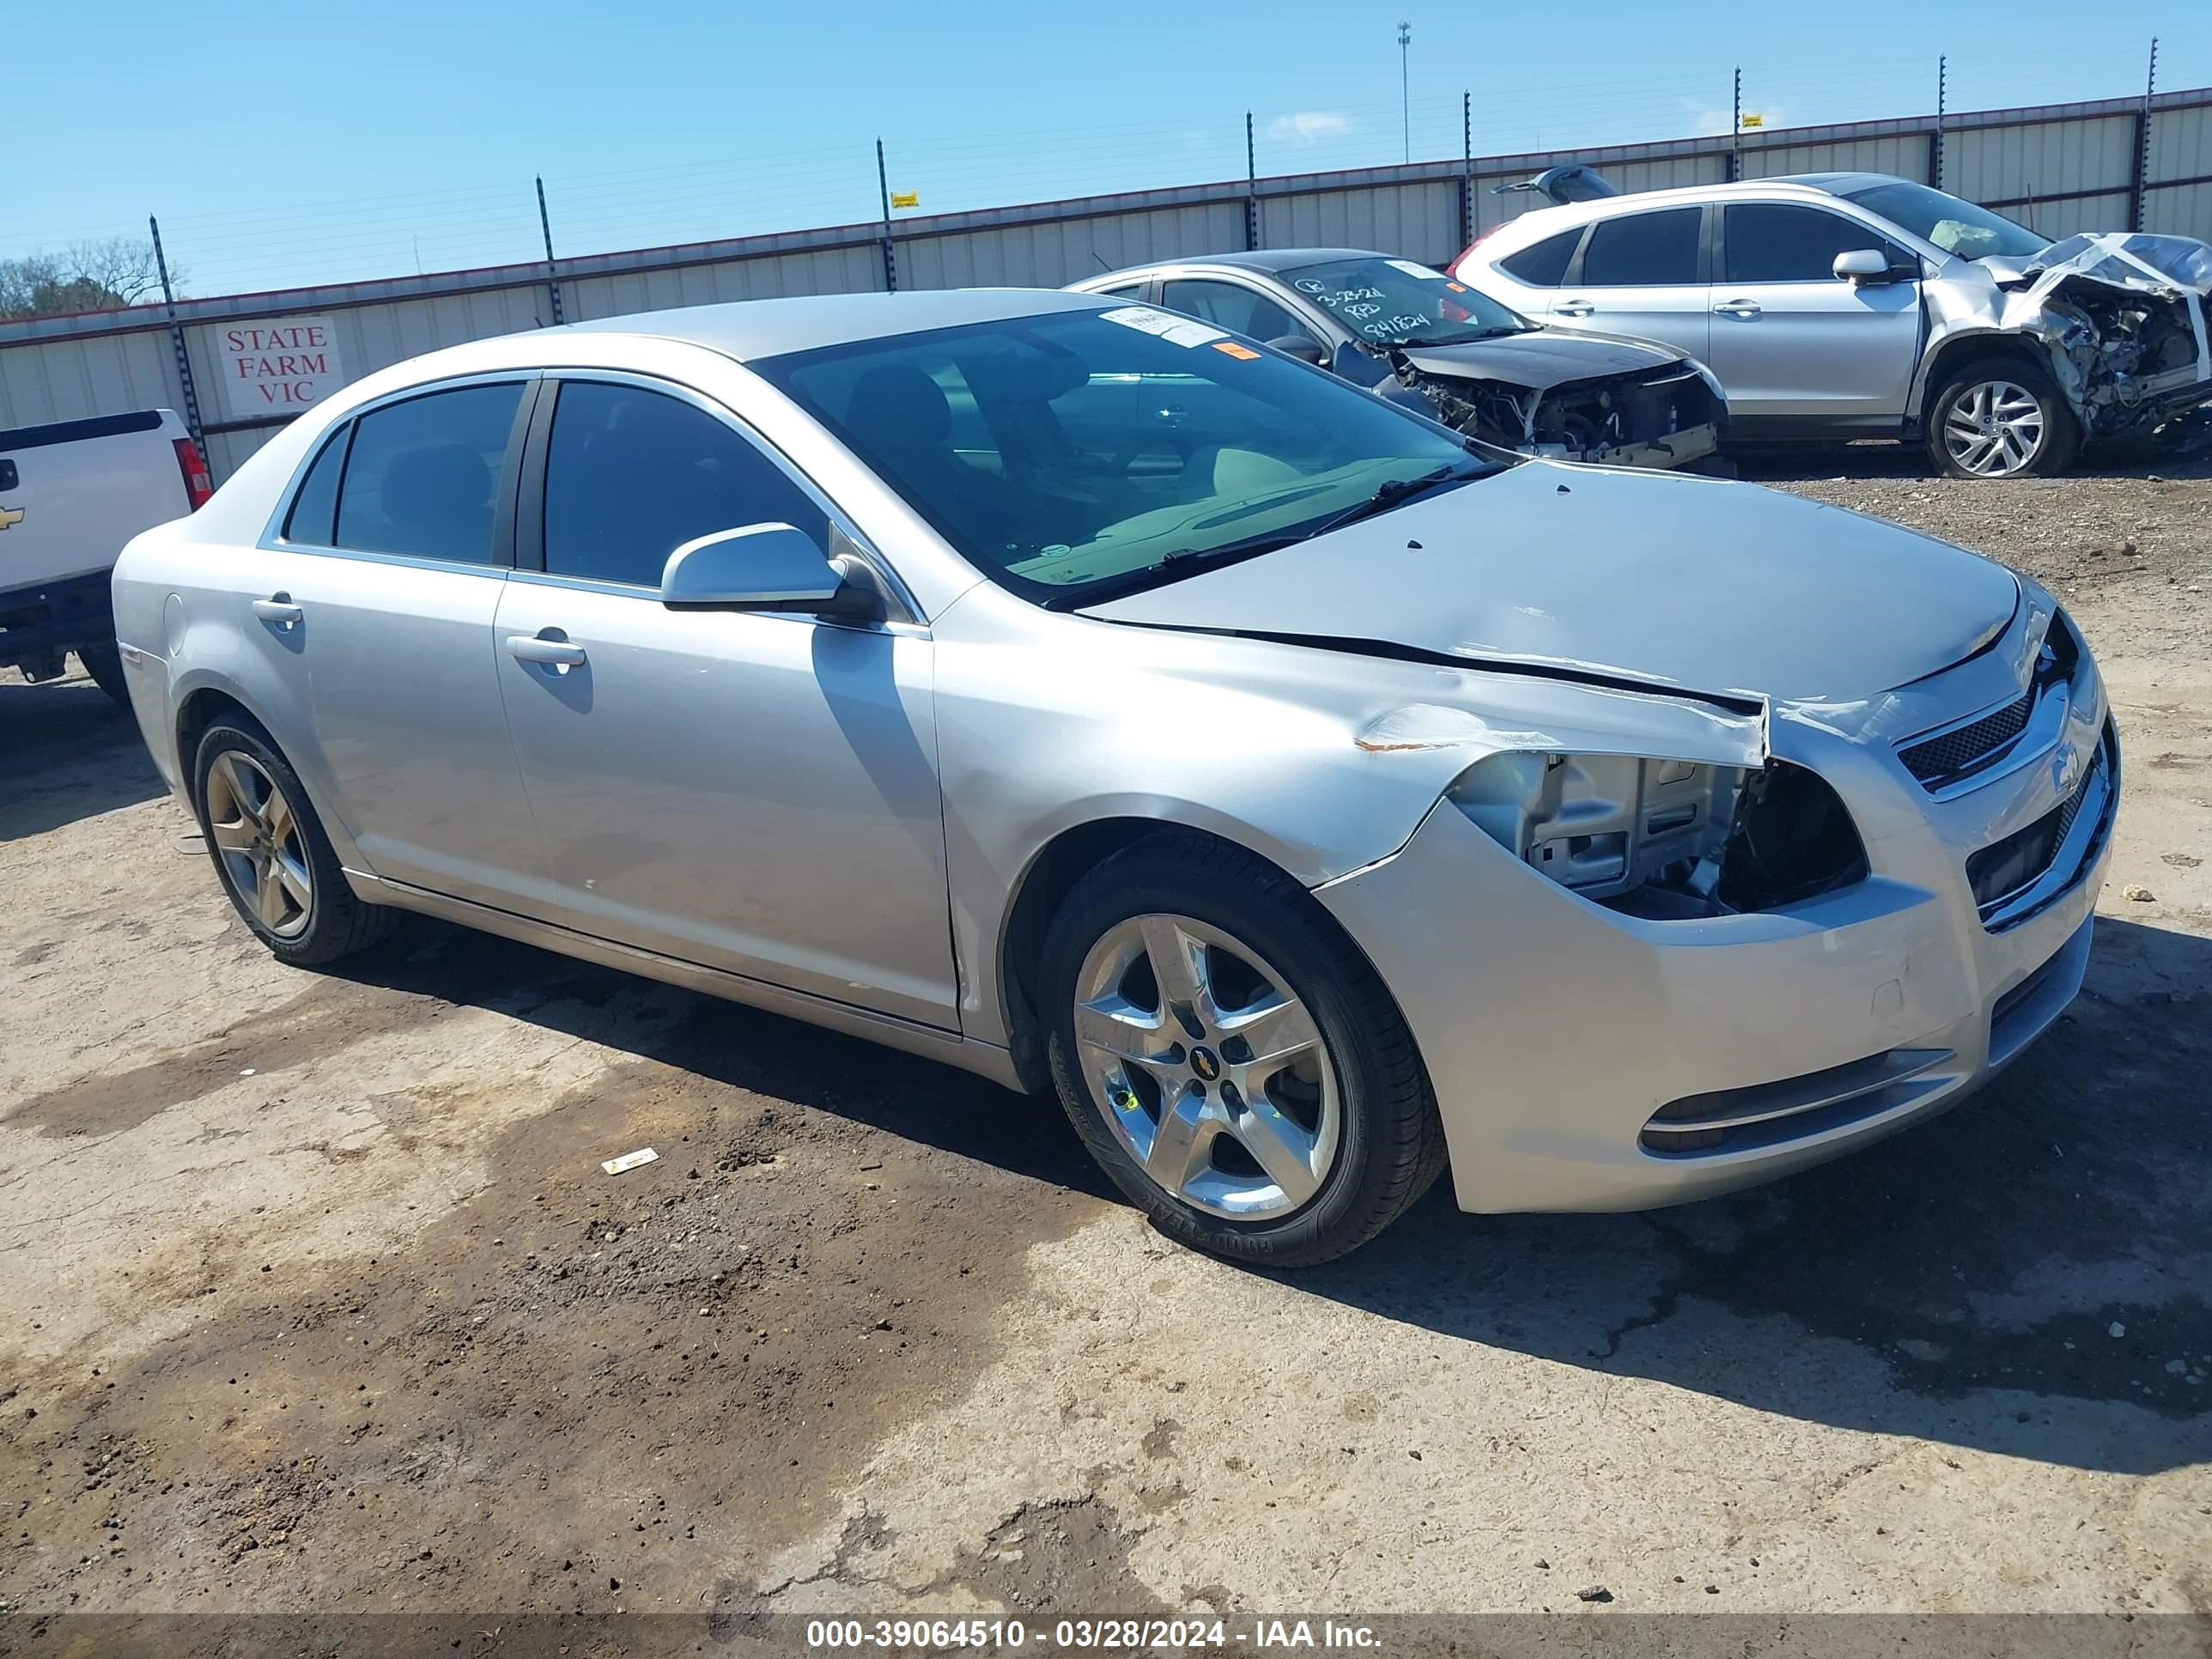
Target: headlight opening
x=1667, y=840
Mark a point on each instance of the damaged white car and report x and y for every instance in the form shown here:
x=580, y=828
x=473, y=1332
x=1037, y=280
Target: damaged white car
x=1315, y=802
x=1845, y=305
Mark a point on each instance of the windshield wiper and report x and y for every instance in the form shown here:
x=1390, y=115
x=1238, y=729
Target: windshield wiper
x=1498, y=332
x=1396, y=492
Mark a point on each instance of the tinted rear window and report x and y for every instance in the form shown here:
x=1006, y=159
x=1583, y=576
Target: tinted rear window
x=423, y=474
x=1643, y=250
x=317, y=503
x=1543, y=264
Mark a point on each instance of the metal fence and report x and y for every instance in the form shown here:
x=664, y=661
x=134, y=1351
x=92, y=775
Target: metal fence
x=2113, y=164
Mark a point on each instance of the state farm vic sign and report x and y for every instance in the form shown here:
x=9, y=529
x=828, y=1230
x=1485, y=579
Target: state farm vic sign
x=283, y=368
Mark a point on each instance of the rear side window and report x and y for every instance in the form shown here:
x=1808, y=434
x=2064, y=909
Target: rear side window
x=1775, y=242
x=1643, y=250
x=317, y=504
x=1543, y=264
x=424, y=476
x=631, y=476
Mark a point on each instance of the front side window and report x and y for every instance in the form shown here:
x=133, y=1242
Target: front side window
x=1955, y=226
x=1397, y=303
x=317, y=504
x=422, y=476
x=632, y=475
x=1111, y=449
x=1643, y=250
x=1775, y=242
x=1230, y=306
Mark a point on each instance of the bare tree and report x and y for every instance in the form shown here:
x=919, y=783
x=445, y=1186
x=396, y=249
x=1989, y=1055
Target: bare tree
x=102, y=275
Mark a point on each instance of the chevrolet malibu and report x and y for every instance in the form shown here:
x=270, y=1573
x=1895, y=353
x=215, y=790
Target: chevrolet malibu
x=1309, y=796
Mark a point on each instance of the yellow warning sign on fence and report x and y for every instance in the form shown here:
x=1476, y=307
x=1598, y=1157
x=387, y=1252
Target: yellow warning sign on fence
x=906, y=198
x=1751, y=120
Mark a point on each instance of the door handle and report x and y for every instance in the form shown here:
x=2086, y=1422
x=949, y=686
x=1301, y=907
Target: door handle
x=1745, y=309
x=1573, y=308
x=278, y=609
x=535, y=647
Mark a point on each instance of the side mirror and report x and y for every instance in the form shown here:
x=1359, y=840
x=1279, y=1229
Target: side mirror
x=1304, y=347
x=762, y=566
x=1863, y=264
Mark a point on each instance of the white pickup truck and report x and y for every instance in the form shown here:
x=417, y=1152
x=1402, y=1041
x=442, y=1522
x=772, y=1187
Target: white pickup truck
x=70, y=495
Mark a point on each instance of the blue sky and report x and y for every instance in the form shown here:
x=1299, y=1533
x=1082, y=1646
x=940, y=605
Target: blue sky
x=290, y=143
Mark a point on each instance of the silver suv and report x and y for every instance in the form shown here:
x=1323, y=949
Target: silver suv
x=1842, y=305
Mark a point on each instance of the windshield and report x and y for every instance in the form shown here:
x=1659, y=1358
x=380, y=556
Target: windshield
x=1397, y=303
x=1956, y=226
x=1069, y=453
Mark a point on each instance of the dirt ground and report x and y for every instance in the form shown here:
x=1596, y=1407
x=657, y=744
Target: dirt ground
x=313, y=1297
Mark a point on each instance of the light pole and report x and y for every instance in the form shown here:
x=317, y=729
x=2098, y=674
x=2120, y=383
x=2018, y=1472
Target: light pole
x=1405, y=85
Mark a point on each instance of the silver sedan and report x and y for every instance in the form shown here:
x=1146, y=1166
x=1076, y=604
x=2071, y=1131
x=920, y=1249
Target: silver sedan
x=1076, y=693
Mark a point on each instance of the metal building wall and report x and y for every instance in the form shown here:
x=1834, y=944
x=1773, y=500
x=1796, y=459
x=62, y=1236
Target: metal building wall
x=2066, y=166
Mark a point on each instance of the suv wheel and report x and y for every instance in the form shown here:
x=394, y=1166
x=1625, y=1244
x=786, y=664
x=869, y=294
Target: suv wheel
x=2001, y=418
x=1232, y=1059
x=271, y=853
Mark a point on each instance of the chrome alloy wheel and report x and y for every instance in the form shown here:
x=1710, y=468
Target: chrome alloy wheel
x=1214, y=1076
x=256, y=835
x=1993, y=428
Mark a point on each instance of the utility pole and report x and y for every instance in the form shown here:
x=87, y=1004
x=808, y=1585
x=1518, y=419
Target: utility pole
x=1405, y=90
x=177, y=346
x=890, y=256
x=552, y=276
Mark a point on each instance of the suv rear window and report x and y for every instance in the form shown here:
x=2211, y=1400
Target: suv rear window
x=1643, y=250
x=1543, y=264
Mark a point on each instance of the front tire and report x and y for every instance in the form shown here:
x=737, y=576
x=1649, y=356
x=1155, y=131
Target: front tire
x=270, y=854
x=1230, y=1058
x=2001, y=418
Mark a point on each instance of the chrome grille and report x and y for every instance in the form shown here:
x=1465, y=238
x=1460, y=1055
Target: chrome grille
x=1937, y=758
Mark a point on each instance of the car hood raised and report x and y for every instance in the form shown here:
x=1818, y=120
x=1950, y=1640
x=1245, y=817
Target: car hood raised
x=1680, y=583
x=1546, y=358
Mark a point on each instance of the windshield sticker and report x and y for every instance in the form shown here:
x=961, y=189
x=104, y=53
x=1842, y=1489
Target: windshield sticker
x=1176, y=331
x=1413, y=269
x=1243, y=353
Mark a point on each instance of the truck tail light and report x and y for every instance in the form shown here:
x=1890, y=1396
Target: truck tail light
x=198, y=485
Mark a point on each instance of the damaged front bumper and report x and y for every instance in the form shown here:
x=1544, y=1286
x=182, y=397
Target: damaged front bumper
x=1585, y=1058
x=2123, y=318
x=1667, y=416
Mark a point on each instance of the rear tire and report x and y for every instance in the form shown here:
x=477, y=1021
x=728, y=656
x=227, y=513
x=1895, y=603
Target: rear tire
x=103, y=663
x=270, y=851
x=1276, y=1113
x=2000, y=417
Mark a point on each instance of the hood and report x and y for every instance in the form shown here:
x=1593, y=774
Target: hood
x=1680, y=583
x=1540, y=360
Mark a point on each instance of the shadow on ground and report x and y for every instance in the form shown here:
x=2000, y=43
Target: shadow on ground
x=1815, y=462
x=1978, y=1264
x=2048, y=1242
x=67, y=751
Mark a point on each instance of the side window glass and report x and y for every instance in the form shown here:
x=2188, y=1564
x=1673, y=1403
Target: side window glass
x=1227, y=306
x=1643, y=250
x=1775, y=242
x=1124, y=291
x=1543, y=264
x=313, y=508
x=632, y=475
x=423, y=474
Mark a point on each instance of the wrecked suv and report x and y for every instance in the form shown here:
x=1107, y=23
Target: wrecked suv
x=1844, y=304
x=1417, y=337
x=1314, y=798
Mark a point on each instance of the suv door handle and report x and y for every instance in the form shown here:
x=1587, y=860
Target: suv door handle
x=278, y=609
x=535, y=647
x=1745, y=309
x=1573, y=308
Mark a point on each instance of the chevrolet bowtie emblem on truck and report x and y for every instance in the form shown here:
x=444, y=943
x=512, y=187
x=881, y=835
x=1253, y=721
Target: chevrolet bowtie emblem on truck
x=10, y=515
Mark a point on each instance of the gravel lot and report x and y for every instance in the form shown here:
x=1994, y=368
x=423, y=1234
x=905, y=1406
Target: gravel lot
x=315, y=1297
